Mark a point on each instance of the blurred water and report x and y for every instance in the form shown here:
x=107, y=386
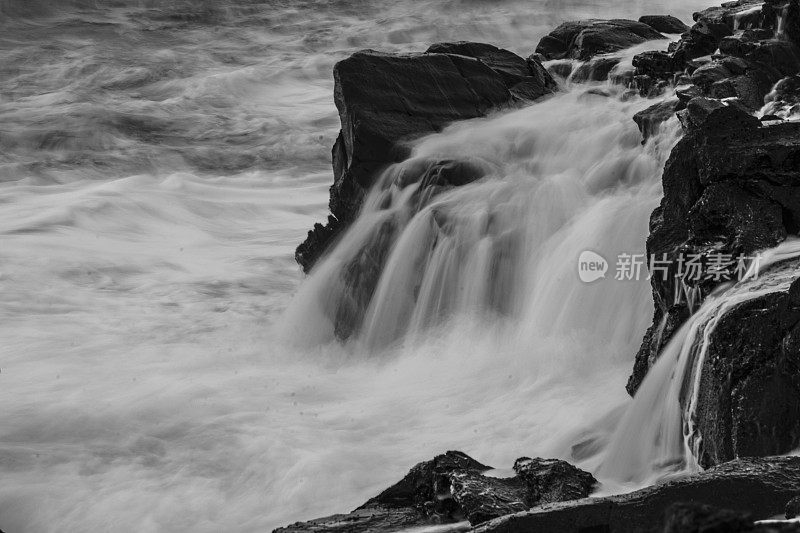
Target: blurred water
x=159, y=162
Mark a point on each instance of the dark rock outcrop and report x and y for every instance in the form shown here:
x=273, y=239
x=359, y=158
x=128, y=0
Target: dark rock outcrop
x=385, y=100
x=749, y=62
x=586, y=39
x=754, y=488
x=731, y=187
x=664, y=23
x=454, y=487
x=749, y=395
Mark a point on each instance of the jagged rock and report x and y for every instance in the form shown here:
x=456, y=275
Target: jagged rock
x=664, y=23
x=588, y=38
x=453, y=487
x=758, y=487
x=650, y=120
x=385, y=100
x=731, y=186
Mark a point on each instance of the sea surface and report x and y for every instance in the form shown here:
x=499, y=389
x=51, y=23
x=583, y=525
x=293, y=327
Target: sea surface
x=159, y=163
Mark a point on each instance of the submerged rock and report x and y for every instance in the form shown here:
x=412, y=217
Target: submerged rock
x=454, y=487
x=385, y=100
x=754, y=488
x=586, y=39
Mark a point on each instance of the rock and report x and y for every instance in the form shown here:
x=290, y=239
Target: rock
x=586, y=39
x=733, y=15
x=749, y=400
x=684, y=517
x=758, y=487
x=552, y=480
x=793, y=508
x=686, y=93
x=664, y=23
x=693, y=45
x=527, y=79
x=731, y=186
x=784, y=100
x=714, y=118
x=597, y=69
x=453, y=487
x=385, y=100
x=650, y=120
x=656, y=64
x=715, y=71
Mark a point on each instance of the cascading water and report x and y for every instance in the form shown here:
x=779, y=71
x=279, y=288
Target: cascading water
x=560, y=177
x=657, y=435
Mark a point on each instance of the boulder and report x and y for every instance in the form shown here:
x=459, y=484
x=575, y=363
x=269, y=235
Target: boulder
x=731, y=186
x=664, y=23
x=656, y=64
x=526, y=79
x=454, y=487
x=385, y=100
x=650, y=120
x=597, y=69
x=586, y=39
x=754, y=488
x=749, y=395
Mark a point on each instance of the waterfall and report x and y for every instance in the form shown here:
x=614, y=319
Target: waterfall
x=537, y=187
x=657, y=435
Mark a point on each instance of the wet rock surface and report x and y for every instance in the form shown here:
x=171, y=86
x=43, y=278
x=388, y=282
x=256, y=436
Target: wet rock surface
x=452, y=488
x=731, y=188
x=665, y=23
x=754, y=489
x=385, y=100
x=586, y=39
x=749, y=397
